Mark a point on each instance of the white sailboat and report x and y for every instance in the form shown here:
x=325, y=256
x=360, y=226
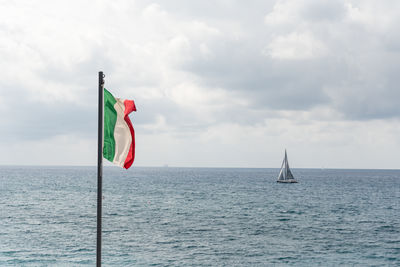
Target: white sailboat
x=285, y=175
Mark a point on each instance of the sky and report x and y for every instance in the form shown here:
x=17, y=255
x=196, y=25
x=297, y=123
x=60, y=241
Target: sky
x=222, y=83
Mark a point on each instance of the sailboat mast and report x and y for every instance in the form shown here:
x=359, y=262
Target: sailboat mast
x=286, y=165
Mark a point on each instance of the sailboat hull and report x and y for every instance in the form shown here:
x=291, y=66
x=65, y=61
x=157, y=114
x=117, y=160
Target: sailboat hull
x=288, y=181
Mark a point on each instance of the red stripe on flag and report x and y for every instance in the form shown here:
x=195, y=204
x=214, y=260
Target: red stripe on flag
x=129, y=107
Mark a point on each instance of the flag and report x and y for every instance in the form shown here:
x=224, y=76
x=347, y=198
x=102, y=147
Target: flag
x=119, y=136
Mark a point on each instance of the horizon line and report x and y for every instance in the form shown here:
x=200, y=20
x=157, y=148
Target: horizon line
x=194, y=167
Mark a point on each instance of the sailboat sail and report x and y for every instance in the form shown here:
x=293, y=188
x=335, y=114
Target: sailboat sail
x=282, y=173
x=280, y=177
x=289, y=174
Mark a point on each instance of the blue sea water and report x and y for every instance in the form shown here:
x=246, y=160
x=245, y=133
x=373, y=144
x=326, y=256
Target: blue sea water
x=199, y=217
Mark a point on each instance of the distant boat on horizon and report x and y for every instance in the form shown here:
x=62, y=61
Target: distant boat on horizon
x=285, y=175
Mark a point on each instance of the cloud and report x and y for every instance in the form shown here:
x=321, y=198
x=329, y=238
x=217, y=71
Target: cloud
x=346, y=38
x=226, y=78
x=63, y=149
x=295, y=46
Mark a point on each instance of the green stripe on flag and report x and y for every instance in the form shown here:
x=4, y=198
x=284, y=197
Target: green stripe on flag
x=110, y=118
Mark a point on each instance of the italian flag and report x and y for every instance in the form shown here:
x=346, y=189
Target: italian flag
x=119, y=136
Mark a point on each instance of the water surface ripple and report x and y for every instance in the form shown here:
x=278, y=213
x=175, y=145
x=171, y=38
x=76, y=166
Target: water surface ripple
x=199, y=217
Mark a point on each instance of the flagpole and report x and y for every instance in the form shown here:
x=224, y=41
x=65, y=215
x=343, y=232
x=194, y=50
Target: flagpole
x=99, y=168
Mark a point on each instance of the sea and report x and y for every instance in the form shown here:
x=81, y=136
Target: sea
x=199, y=217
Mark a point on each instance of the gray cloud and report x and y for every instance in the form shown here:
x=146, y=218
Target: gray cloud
x=356, y=63
x=203, y=71
x=33, y=121
x=318, y=11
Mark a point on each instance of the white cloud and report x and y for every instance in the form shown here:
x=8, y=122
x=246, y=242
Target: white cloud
x=68, y=149
x=227, y=83
x=295, y=46
x=372, y=15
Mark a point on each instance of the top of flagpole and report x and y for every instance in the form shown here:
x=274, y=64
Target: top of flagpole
x=101, y=78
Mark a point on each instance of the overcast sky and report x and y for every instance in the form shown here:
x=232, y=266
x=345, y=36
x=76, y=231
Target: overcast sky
x=222, y=83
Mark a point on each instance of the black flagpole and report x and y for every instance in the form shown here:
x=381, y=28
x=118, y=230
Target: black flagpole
x=99, y=168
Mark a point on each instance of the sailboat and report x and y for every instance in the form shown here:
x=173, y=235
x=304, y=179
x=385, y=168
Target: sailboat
x=285, y=175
